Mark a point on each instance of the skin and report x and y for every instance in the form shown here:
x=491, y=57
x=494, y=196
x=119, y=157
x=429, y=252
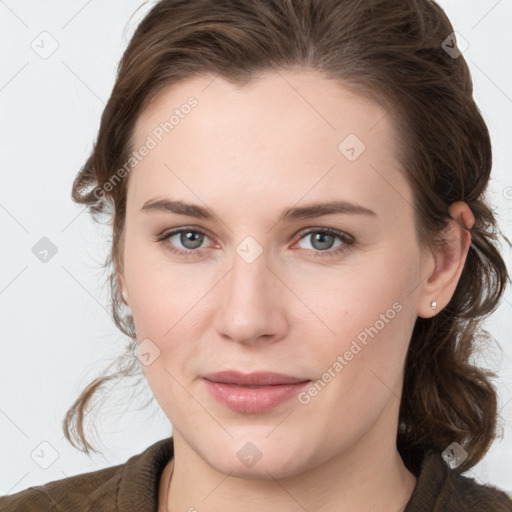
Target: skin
x=246, y=153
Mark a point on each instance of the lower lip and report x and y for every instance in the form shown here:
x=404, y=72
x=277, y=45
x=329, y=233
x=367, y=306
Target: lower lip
x=253, y=400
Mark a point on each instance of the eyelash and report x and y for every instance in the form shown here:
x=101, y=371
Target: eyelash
x=347, y=240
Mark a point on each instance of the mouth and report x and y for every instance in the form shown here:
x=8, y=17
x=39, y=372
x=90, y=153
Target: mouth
x=253, y=392
x=253, y=379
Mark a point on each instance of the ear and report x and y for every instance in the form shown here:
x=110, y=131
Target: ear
x=122, y=287
x=118, y=261
x=449, y=258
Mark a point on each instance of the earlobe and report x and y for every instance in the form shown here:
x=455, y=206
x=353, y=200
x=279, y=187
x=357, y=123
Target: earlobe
x=449, y=259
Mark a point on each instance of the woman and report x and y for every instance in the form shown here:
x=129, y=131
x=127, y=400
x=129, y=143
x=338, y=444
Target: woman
x=302, y=255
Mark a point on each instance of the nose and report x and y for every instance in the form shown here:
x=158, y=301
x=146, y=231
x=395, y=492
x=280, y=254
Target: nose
x=252, y=303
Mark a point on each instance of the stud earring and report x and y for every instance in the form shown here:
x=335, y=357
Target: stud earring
x=433, y=304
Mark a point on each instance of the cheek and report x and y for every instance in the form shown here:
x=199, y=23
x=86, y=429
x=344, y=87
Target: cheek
x=353, y=299
x=161, y=293
x=162, y=301
x=166, y=302
x=370, y=314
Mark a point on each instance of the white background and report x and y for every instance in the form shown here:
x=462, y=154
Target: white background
x=56, y=331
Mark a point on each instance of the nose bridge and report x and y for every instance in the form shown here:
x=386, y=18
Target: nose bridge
x=249, y=305
x=248, y=283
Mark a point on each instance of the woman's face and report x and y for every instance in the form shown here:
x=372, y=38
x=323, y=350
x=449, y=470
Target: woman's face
x=271, y=281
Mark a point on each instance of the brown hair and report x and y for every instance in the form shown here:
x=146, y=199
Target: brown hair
x=392, y=51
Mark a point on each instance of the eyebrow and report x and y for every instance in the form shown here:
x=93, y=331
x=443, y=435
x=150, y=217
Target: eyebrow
x=290, y=214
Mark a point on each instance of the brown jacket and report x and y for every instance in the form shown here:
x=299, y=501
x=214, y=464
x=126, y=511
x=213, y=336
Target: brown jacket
x=133, y=487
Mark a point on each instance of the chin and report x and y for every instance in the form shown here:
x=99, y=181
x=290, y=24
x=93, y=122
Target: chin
x=257, y=458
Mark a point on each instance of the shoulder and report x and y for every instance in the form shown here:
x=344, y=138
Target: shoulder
x=120, y=487
x=479, y=497
x=72, y=493
x=441, y=488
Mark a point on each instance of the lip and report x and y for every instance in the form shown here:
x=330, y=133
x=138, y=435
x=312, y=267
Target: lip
x=252, y=379
x=253, y=392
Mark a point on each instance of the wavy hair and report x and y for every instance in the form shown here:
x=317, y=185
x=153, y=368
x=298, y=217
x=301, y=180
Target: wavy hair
x=399, y=53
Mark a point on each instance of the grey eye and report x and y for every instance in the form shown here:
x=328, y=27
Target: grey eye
x=189, y=239
x=321, y=240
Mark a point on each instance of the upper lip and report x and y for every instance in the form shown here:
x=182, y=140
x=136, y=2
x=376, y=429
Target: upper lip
x=252, y=379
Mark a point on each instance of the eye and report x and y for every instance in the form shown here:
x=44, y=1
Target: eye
x=188, y=241
x=184, y=241
x=322, y=240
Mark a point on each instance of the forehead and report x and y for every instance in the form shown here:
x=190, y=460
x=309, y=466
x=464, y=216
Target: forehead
x=275, y=99
x=294, y=132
